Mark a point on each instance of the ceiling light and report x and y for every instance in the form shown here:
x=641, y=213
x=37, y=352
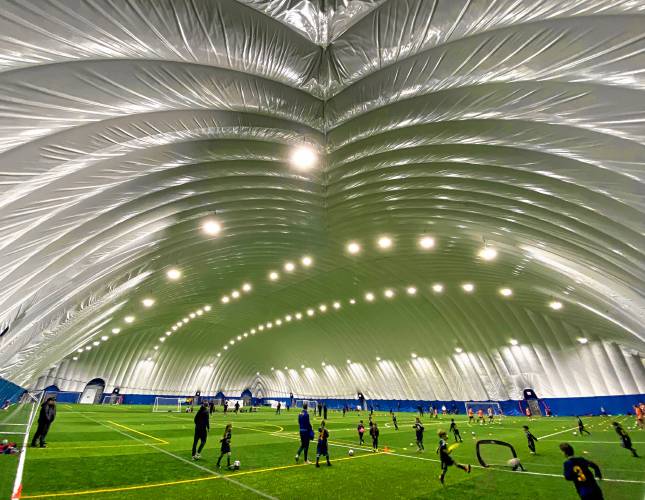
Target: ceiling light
x=235, y=294
x=104, y=338
x=324, y=364
x=116, y=330
x=261, y=327
x=514, y=342
x=303, y=157
x=129, y=319
x=385, y=242
x=468, y=287
x=239, y=337
x=353, y=248
x=211, y=227
x=389, y=293
x=458, y=350
x=378, y=358
x=192, y=315
x=583, y=340
x=199, y=312
x=555, y=305
x=185, y=320
x=156, y=348
x=322, y=307
x=252, y=331
x=488, y=253
x=437, y=287
x=168, y=334
x=232, y=342
x=95, y=343
x=79, y=350
x=414, y=355
x=246, y=334
x=506, y=292
x=426, y=242
x=148, y=302
x=289, y=267
x=302, y=366
x=88, y=348
x=287, y=318
x=162, y=339
x=225, y=347
x=307, y=261
x=225, y=299
x=246, y=287
x=310, y=312
x=219, y=354
x=369, y=296
x=352, y=301
x=269, y=325
x=206, y=308
x=298, y=315
x=75, y=358
x=278, y=322
x=411, y=290
x=173, y=328
x=273, y=276
x=173, y=273
x=349, y=361
x=336, y=305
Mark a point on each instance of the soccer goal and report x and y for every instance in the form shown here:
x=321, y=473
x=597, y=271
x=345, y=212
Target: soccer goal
x=167, y=404
x=475, y=406
x=310, y=404
x=111, y=399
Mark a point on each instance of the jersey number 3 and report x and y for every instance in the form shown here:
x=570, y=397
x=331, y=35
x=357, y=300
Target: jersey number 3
x=580, y=476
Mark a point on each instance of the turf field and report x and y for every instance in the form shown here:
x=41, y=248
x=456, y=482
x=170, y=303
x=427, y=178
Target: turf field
x=119, y=452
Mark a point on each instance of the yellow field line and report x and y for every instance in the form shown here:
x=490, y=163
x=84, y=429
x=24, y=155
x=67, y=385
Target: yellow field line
x=139, y=432
x=183, y=481
x=95, y=447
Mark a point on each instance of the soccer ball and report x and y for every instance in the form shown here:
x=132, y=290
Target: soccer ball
x=473, y=433
x=514, y=462
x=575, y=433
x=236, y=465
x=350, y=453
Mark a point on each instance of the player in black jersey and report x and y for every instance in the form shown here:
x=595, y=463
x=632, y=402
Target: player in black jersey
x=530, y=438
x=455, y=431
x=581, y=427
x=446, y=459
x=624, y=437
x=226, y=446
x=578, y=470
x=418, y=428
x=396, y=425
x=323, y=449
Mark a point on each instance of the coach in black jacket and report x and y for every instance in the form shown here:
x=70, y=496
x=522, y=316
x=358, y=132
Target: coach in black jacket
x=201, y=430
x=45, y=418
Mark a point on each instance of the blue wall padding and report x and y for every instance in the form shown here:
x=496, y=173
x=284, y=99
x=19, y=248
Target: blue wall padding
x=10, y=391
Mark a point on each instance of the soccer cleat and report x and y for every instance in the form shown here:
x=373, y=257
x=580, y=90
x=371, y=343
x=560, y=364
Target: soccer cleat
x=441, y=479
x=297, y=458
x=308, y=462
x=317, y=464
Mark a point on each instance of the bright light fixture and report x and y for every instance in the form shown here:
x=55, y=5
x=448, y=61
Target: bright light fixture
x=322, y=307
x=411, y=290
x=79, y=350
x=414, y=355
x=116, y=330
x=185, y=320
x=225, y=347
x=156, y=348
x=104, y=338
x=287, y=318
x=555, y=305
x=298, y=315
x=583, y=340
x=232, y=342
x=148, y=302
x=378, y=358
x=192, y=315
x=168, y=333
x=307, y=261
x=303, y=157
x=302, y=366
x=173, y=328
x=75, y=358
x=385, y=242
x=426, y=242
x=246, y=334
x=235, y=294
x=389, y=293
x=206, y=308
x=273, y=275
x=162, y=339
x=173, y=273
x=352, y=301
x=289, y=267
x=95, y=343
x=239, y=337
x=269, y=325
x=225, y=299
x=88, y=348
x=278, y=322
x=260, y=327
x=369, y=296
x=506, y=292
x=129, y=319
x=514, y=342
x=211, y=227
x=310, y=312
x=353, y=247
x=219, y=354
x=246, y=287
x=437, y=287
x=252, y=331
x=488, y=253
x=324, y=364
x=349, y=361
x=336, y=305
x=458, y=350
x=468, y=287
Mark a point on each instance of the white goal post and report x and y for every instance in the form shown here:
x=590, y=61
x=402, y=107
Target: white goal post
x=167, y=404
x=485, y=405
x=311, y=405
x=111, y=399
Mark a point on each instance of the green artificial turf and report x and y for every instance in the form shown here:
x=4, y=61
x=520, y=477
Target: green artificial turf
x=133, y=453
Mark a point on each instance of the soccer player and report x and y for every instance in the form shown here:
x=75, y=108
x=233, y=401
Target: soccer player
x=306, y=433
x=435, y=413
x=374, y=432
x=45, y=419
x=624, y=437
x=455, y=431
x=225, y=407
x=530, y=438
x=418, y=428
x=325, y=412
x=396, y=425
x=237, y=407
x=361, y=432
x=201, y=430
x=277, y=409
x=491, y=415
x=480, y=416
x=446, y=459
x=578, y=470
x=638, y=411
x=471, y=415
x=444, y=410
x=527, y=412
x=581, y=427
x=323, y=449
x=226, y=446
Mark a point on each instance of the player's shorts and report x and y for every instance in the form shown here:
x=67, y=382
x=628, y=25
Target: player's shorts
x=322, y=449
x=226, y=447
x=446, y=461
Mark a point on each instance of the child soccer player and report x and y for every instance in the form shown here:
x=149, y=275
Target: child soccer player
x=323, y=449
x=530, y=438
x=624, y=437
x=361, y=432
x=446, y=459
x=639, y=416
x=455, y=431
x=226, y=447
x=480, y=416
x=578, y=470
x=374, y=432
x=471, y=415
x=418, y=428
x=581, y=427
x=491, y=415
x=396, y=425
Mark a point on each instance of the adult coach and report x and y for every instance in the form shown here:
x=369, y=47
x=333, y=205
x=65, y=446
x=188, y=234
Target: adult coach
x=45, y=419
x=306, y=433
x=202, y=427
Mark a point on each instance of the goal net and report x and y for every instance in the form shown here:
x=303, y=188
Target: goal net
x=310, y=404
x=167, y=404
x=111, y=399
x=489, y=408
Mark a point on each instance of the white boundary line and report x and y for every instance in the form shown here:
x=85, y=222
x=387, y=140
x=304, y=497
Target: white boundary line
x=206, y=469
x=17, y=484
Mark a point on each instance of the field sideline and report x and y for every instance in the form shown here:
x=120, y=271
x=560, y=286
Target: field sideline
x=119, y=452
